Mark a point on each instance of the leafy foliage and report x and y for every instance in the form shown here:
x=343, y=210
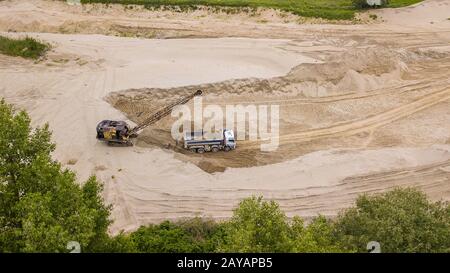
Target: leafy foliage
x=27, y=47
x=316, y=237
x=257, y=226
x=402, y=220
x=208, y=233
x=164, y=238
x=42, y=207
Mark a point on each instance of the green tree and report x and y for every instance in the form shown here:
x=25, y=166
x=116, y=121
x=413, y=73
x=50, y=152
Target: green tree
x=42, y=207
x=121, y=243
x=402, y=220
x=316, y=237
x=257, y=226
x=166, y=237
x=207, y=233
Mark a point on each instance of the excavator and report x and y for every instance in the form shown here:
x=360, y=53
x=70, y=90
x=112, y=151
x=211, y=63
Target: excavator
x=120, y=133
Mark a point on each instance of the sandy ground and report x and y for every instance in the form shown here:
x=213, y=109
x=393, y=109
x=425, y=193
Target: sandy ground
x=364, y=107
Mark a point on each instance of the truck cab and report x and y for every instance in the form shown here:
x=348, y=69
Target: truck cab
x=229, y=141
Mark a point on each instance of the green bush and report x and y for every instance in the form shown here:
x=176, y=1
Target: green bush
x=257, y=226
x=26, y=47
x=42, y=207
x=208, y=233
x=166, y=237
x=316, y=237
x=402, y=220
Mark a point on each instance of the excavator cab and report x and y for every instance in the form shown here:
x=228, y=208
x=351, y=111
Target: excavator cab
x=114, y=132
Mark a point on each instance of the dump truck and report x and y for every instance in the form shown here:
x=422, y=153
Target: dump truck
x=120, y=133
x=199, y=142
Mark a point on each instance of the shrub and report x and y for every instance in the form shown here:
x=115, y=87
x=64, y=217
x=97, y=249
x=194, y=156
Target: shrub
x=42, y=207
x=257, y=226
x=26, y=47
x=402, y=220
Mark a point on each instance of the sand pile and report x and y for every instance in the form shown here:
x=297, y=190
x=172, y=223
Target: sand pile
x=362, y=70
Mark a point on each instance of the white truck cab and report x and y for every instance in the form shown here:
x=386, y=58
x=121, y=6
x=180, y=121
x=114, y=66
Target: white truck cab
x=229, y=140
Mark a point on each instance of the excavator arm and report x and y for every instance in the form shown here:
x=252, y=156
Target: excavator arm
x=162, y=113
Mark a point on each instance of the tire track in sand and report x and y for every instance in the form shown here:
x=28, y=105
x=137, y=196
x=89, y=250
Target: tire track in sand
x=362, y=125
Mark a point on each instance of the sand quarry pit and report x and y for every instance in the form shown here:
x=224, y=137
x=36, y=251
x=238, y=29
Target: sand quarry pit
x=346, y=101
x=363, y=107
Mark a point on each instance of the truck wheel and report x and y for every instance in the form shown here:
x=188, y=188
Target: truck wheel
x=193, y=150
x=200, y=150
x=227, y=149
x=214, y=149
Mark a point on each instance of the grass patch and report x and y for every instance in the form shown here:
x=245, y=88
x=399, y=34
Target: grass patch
x=327, y=9
x=402, y=3
x=28, y=47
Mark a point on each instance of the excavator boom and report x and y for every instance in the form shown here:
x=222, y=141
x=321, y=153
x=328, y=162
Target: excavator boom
x=163, y=113
x=118, y=132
